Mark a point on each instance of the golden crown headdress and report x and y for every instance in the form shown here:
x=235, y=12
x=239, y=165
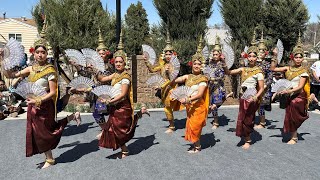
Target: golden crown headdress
x=217, y=45
x=261, y=45
x=120, y=52
x=298, y=49
x=42, y=41
x=253, y=48
x=101, y=45
x=199, y=56
x=168, y=46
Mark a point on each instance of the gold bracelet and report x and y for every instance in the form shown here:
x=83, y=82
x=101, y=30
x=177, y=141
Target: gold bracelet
x=255, y=98
x=38, y=101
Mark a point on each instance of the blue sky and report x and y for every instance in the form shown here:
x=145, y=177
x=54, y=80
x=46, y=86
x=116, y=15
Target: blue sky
x=18, y=8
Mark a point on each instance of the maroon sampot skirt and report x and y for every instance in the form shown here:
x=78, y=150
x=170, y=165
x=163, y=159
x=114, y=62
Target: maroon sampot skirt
x=296, y=112
x=246, y=117
x=120, y=126
x=43, y=132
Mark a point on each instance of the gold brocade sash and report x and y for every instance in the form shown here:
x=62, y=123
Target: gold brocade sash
x=249, y=72
x=40, y=71
x=294, y=72
x=195, y=79
x=117, y=78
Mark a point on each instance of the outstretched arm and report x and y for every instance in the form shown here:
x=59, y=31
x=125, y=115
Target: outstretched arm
x=102, y=78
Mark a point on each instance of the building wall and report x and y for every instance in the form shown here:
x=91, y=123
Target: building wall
x=28, y=33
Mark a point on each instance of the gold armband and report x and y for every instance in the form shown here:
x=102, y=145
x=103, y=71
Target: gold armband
x=274, y=60
x=254, y=98
x=38, y=101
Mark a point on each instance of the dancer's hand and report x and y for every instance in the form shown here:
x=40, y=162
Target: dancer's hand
x=183, y=100
x=284, y=92
x=31, y=101
x=275, y=52
x=145, y=57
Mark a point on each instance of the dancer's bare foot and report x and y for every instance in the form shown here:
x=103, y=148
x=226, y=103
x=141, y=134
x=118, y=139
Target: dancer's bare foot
x=48, y=163
x=215, y=126
x=213, y=107
x=144, y=110
x=124, y=154
x=229, y=95
x=77, y=118
x=99, y=136
x=293, y=141
x=195, y=150
x=170, y=130
x=246, y=145
x=259, y=126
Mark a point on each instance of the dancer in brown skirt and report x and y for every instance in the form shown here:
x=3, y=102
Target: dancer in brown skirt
x=299, y=95
x=251, y=77
x=43, y=132
x=121, y=125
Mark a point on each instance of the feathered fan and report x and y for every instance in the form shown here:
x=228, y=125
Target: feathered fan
x=280, y=50
x=229, y=54
x=175, y=67
x=30, y=90
x=282, y=84
x=181, y=92
x=209, y=72
x=250, y=92
x=156, y=80
x=76, y=56
x=246, y=62
x=81, y=82
x=13, y=54
x=205, y=52
x=106, y=92
x=93, y=58
x=150, y=54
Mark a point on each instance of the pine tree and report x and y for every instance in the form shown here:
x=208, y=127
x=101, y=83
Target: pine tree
x=75, y=23
x=284, y=19
x=186, y=21
x=137, y=28
x=242, y=17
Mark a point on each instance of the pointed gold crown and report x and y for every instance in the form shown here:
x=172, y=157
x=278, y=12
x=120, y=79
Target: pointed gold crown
x=261, y=45
x=199, y=55
x=253, y=48
x=217, y=45
x=168, y=46
x=120, y=52
x=42, y=40
x=101, y=45
x=298, y=49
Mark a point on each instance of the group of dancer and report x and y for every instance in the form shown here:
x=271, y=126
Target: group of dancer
x=209, y=92
x=44, y=131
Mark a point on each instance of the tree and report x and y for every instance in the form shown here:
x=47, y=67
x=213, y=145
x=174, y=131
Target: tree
x=75, y=23
x=242, y=17
x=186, y=21
x=284, y=19
x=137, y=26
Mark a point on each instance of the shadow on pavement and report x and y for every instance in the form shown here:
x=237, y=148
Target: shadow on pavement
x=73, y=129
x=141, y=144
x=223, y=120
x=208, y=140
x=255, y=137
x=78, y=151
x=180, y=124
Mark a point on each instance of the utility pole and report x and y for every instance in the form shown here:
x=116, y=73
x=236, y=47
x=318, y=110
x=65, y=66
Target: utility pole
x=118, y=19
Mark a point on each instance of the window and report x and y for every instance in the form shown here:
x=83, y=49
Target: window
x=18, y=37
